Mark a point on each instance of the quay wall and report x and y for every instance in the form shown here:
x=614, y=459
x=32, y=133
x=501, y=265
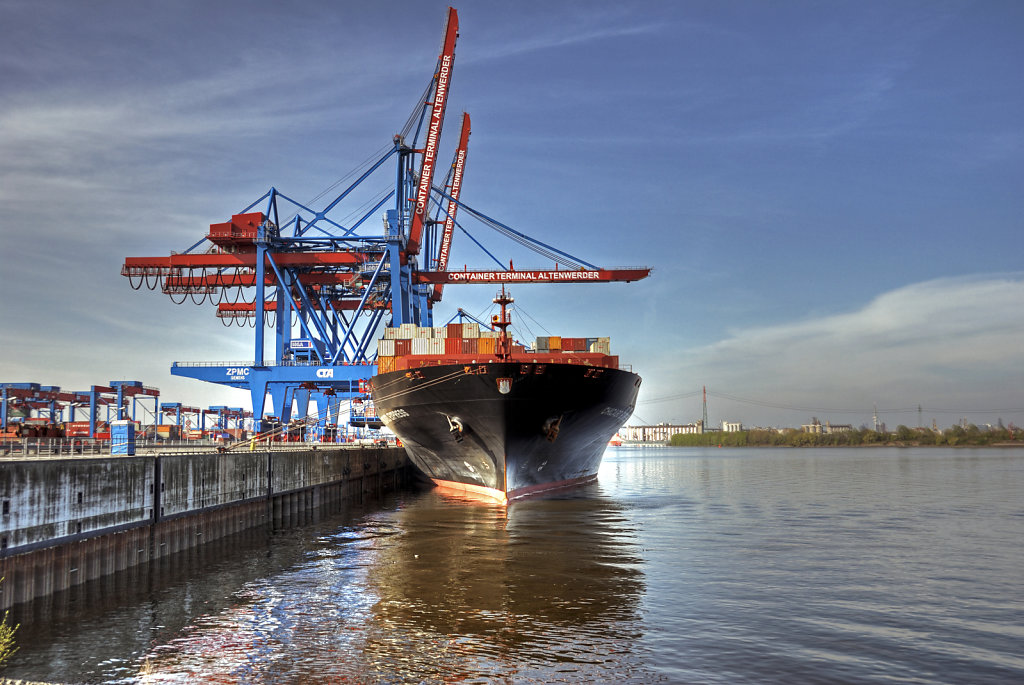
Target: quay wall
x=68, y=521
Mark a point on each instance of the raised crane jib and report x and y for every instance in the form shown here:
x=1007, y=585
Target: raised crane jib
x=458, y=168
x=442, y=81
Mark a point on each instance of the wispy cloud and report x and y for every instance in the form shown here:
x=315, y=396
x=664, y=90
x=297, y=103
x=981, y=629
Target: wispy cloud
x=554, y=39
x=955, y=341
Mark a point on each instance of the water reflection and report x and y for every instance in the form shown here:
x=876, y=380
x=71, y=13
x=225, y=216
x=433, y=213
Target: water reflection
x=681, y=565
x=471, y=590
x=434, y=589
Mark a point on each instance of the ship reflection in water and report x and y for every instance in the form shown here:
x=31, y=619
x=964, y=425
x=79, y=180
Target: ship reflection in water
x=475, y=590
x=439, y=589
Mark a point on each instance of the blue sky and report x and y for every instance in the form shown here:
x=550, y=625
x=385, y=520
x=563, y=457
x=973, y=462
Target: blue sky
x=830, y=193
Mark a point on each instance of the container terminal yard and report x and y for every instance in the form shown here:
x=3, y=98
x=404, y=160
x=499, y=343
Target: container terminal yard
x=48, y=420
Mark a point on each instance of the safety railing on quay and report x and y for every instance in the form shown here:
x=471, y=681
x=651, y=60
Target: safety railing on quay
x=62, y=448
x=53, y=447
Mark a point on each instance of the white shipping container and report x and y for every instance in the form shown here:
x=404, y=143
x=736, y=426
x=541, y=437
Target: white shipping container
x=390, y=333
x=489, y=334
x=470, y=330
x=600, y=347
x=424, y=332
x=421, y=345
x=407, y=331
x=437, y=346
x=386, y=347
x=440, y=332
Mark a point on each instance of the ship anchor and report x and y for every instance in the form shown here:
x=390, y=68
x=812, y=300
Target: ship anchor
x=551, y=428
x=455, y=428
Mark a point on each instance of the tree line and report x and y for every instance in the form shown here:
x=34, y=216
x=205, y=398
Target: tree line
x=971, y=436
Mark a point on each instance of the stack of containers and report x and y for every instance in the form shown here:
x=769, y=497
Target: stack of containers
x=453, y=339
x=548, y=344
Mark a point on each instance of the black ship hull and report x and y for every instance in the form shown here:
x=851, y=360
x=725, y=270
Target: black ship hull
x=506, y=429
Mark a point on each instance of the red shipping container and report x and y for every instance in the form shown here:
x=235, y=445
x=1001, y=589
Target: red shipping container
x=453, y=330
x=470, y=345
x=453, y=345
x=403, y=347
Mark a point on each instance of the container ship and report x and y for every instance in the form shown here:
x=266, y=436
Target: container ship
x=479, y=413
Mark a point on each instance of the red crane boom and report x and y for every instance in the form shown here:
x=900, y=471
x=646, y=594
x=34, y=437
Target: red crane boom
x=441, y=81
x=458, y=167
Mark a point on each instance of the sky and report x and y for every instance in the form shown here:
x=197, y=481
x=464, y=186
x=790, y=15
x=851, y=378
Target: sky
x=830, y=194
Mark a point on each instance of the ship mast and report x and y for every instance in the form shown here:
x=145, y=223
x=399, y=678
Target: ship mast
x=503, y=349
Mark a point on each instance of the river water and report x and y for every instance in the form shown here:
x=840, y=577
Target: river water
x=680, y=565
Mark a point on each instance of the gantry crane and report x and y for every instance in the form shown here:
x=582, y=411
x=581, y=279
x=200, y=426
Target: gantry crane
x=324, y=282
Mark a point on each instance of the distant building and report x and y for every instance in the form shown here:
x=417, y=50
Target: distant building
x=731, y=426
x=819, y=428
x=661, y=432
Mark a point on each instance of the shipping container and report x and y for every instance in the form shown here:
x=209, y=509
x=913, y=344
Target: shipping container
x=76, y=429
x=386, y=348
x=407, y=331
x=487, y=333
x=470, y=330
x=599, y=347
x=487, y=345
x=453, y=345
x=436, y=345
x=403, y=347
x=385, y=364
x=421, y=345
x=555, y=343
x=542, y=344
x=470, y=346
x=453, y=330
x=424, y=332
x=390, y=333
x=167, y=432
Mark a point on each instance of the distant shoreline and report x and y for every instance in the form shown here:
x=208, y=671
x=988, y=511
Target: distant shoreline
x=956, y=436
x=997, y=445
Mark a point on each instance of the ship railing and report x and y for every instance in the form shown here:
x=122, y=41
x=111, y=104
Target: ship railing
x=287, y=362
